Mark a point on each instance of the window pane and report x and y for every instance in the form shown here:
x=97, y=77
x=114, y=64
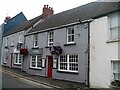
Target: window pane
x=72, y=38
x=39, y=61
x=73, y=62
x=50, y=38
x=116, y=76
x=36, y=40
x=114, y=33
x=70, y=34
x=114, y=20
x=69, y=39
x=116, y=70
x=63, y=62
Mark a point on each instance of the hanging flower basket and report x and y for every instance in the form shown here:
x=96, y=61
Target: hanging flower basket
x=24, y=51
x=56, y=50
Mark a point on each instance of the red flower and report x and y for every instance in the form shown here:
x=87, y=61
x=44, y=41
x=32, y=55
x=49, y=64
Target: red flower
x=24, y=51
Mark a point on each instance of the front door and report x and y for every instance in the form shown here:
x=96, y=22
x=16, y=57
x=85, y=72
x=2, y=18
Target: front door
x=11, y=55
x=50, y=62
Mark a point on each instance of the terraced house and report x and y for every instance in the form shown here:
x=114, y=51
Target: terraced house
x=13, y=40
x=59, y=46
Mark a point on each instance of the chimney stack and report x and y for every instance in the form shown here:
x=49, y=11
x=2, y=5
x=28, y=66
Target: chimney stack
x=7, y=18
x=47, y=11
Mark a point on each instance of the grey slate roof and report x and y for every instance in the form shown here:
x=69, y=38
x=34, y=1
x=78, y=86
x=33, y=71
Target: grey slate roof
x=23, y=26
x=88, y=11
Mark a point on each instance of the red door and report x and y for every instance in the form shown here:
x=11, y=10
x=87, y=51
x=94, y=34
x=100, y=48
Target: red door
x=11, y=60
x=50, y=59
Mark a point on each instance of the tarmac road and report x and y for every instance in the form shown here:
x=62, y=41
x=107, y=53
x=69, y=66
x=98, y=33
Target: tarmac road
x=12, y=81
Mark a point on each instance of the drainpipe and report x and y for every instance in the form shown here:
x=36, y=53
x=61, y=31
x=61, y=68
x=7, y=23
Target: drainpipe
x=88, y=78
x=88, y=51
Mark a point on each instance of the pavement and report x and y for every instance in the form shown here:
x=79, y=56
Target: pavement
x=55, y=83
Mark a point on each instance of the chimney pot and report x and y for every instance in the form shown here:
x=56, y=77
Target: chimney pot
x=47, y=11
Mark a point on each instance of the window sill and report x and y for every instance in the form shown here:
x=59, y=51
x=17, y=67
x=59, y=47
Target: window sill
x=16, y=64
x=69, y=44
x=68, y=72
x=4, y=62
x=35, y=47
x=12, y=45
x=113, y=41
x=35, y=68
x=48, y=47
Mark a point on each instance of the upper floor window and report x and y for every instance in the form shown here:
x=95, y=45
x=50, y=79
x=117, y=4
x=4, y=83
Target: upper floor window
x=12, y=41
x=36, y=40
x=70, y=35
x=114, y=26
x=50, y=38
x=6, y=42
x=20, y=39
x=68, y=63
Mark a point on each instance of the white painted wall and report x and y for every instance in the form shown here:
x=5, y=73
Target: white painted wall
x=101, y=53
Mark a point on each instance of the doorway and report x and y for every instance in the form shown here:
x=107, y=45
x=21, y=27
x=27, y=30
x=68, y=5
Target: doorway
x=11, y=55
x=50, y=63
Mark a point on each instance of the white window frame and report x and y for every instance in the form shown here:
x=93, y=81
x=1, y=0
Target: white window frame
x=5, y=60
x=6, y=43
x=19, y=56
x=50, y=38
x=70, y=35
x=114, y=71
x=36, y=62
x=68, y=64
x=35, y=40
x=12, y=41
x=113, y=28
x=20, y=39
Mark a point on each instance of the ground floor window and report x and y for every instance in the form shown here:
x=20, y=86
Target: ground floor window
x=36, y=61
x=18, y=58
x=68, y=63
x=116, y=70
x=5, y=58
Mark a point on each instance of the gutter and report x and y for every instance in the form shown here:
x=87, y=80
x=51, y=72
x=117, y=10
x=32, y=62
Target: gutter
x=62, y=26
